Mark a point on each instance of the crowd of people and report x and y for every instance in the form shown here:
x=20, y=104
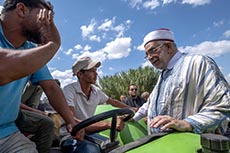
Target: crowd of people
x=191, y=93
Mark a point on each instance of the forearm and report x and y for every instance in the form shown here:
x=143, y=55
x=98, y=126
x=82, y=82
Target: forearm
x=59, y=104
x=203, y=122
x=25, y=107
x=214, y=112
x=99, y=126
x=24, y=62
x=141, y=113
x=117, y=103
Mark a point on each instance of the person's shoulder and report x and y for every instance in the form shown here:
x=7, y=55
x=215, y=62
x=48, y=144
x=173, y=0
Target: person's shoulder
x=200, y=61
x=191, y=55
x=194, y=55
x=141, y=98
x=128, y=98
x=70, y=85
x=197, y=57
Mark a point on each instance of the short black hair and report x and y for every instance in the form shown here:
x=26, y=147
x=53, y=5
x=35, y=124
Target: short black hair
x=9, y=5
x=132, y=84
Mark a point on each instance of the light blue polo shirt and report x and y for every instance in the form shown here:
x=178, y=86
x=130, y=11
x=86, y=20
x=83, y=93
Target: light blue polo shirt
x=10, y=94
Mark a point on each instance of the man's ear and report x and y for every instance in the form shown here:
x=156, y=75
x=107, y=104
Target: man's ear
x=21, y=10
x=79, y=73
x=170, y=48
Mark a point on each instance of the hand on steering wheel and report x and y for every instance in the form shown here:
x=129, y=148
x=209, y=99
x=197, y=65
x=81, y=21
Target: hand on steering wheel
x=99, y=117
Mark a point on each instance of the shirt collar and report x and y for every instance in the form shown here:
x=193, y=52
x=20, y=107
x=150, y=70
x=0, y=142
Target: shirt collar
x=79, y=90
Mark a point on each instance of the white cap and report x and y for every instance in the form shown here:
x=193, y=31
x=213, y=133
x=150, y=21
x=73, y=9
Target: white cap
x=159, y=34
x=84, y=63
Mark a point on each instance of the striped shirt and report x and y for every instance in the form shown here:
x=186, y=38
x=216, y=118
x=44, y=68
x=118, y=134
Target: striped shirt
x=193, y=90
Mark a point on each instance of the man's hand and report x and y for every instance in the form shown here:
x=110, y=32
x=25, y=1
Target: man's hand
x=135, y=109
x=48, y=30
x=120, y=124
x=79, y=135
x=166, y=122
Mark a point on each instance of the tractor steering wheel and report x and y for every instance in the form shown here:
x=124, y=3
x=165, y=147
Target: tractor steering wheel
x=99, y=117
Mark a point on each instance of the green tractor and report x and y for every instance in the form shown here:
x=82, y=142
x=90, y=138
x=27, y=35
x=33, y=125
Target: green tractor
x=135, y=139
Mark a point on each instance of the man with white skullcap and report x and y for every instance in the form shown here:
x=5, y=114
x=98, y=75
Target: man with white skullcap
x=191, y=93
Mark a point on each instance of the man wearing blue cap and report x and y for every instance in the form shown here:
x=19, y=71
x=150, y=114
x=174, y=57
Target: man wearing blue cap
x=191, y=93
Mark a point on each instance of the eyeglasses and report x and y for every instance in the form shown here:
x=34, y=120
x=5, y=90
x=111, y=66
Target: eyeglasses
x=134, y=89
x=153, y=51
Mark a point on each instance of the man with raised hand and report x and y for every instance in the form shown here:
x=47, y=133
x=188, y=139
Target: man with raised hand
x=28, y=40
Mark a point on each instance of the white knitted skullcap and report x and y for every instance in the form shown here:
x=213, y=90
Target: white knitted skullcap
x=159, y=34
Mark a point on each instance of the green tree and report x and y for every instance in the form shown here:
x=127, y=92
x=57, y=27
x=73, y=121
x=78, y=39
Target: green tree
x=116, y=85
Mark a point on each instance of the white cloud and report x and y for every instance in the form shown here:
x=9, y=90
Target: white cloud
x=128, y=22
x=87, y=30
x=97, y=55
x=75, y=56
x=227, y=33
x=118, y=48
x=107, y=30
x=196, y=2
x=213, y=49
x=64, y=77
x=135, y=3
x=95, y=38
x=218, y=24
x=147, y=4
x=151, y=4
x=1, y=7
x=107, y=24
x=69, y=51
x=78, y=47
x=87, y=47
x=141, y=47
x=111, y=68
x=168, y=1
x=120, y=29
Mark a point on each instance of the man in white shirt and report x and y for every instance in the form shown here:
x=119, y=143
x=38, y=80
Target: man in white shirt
x=83, y=97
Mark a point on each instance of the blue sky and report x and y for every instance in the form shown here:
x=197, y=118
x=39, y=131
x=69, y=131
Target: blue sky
x=112, y=31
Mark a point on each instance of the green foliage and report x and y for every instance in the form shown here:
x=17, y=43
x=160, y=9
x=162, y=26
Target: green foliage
x=116, y=85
